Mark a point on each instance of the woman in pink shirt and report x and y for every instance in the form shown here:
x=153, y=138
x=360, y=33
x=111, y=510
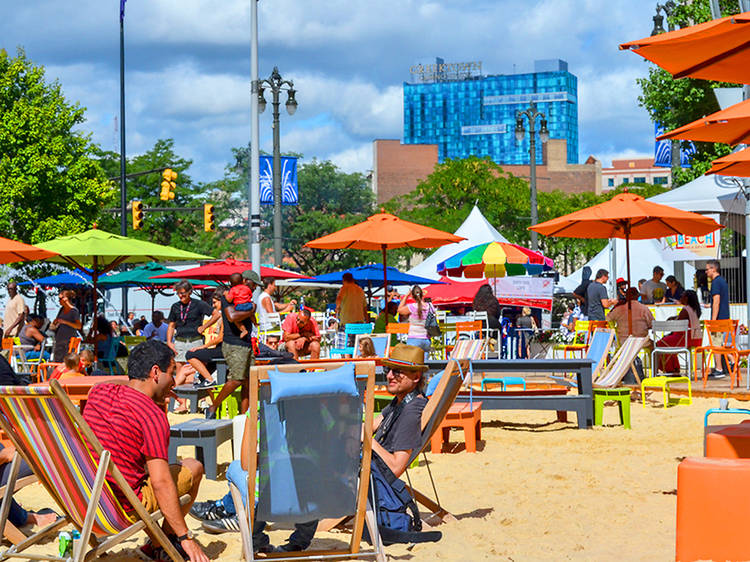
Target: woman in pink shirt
x=417, y=312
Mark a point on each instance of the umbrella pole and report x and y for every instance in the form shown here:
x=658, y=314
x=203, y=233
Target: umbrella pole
x=385, y=275
x=627, y=258
x=94, y=277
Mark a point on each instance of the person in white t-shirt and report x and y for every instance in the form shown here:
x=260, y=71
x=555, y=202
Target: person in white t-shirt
x=15, y=312
x=265, y=305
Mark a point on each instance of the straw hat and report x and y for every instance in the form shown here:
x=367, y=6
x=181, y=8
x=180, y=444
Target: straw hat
x=406, y=358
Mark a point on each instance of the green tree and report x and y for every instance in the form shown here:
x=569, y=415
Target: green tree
x=50, y=184
x=674, y=103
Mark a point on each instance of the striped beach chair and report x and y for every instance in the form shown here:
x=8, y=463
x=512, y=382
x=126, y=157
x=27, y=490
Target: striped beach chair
x=52, y=436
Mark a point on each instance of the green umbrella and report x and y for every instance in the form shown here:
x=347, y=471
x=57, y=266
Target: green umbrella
x=101, y=251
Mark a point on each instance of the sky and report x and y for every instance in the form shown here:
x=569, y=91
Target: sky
x=187, y=67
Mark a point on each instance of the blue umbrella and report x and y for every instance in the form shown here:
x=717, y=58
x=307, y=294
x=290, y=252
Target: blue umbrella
x=366, y=275
x=74, y=279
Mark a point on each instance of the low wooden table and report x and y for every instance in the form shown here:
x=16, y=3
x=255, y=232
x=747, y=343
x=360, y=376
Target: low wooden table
x=462, y=415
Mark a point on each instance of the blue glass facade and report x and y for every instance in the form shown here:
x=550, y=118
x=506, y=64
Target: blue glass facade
x=477, y=116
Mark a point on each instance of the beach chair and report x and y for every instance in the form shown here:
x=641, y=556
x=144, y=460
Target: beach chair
x=351, y=330
x=598, y=352
x=432, y=416
x=11, y=532
x=52, y=436
x=310, y=465
x=379, y=341
x=611, y=376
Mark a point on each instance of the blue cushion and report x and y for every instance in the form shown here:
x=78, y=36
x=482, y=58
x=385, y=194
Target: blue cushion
x=432, y=385
x=339, y=381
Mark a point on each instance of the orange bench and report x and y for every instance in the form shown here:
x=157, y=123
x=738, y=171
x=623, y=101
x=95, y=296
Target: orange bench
x=731, y=442
x=713, y=509
x=464, y=416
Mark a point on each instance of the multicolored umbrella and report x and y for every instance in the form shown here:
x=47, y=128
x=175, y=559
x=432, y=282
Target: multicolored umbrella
x=495, y=259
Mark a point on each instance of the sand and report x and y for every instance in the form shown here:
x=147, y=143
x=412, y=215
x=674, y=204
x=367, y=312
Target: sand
x=536, y=490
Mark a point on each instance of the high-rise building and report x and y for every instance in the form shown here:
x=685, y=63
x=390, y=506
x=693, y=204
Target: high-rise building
x=465, y=113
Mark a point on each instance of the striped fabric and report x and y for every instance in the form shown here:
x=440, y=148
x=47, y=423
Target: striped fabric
x=613, y=374
x=468, y=349
x=56, y=450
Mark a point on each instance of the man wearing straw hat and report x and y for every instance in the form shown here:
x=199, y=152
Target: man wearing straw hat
x=398, y=429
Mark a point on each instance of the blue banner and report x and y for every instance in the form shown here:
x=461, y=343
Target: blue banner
x=122, y=10
x=663, y=150
x=289, y=189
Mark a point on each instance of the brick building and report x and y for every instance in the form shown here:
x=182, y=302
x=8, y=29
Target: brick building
x=397, y=168
x=635, y=170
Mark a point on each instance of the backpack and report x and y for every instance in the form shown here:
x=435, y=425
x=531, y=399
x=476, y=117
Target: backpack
x=396, y=511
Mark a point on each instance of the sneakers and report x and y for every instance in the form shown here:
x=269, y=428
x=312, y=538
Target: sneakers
x=290, y=547
x=209, y=511
x=209, y=414
x=714, y=374
x=203, y=383
x=229, y=524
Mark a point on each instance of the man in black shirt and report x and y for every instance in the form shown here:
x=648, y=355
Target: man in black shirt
x=398, y=431
x=237, y=350
x=185, y=322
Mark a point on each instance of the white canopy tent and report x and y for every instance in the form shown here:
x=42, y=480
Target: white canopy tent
x=476, y=229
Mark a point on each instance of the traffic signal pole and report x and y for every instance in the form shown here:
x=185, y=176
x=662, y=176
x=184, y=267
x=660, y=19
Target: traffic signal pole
x=123, y=184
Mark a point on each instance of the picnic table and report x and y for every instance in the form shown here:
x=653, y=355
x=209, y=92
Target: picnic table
x=582, y=402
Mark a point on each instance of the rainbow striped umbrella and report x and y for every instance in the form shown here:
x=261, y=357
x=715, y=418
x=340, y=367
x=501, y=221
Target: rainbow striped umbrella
x=495, y=259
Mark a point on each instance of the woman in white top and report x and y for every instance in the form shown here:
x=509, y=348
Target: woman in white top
x=265, y=305
x=417, y=312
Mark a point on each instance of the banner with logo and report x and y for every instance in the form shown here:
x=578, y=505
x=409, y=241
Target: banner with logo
x=683, y=247
x=289, y=189
x=535, y=292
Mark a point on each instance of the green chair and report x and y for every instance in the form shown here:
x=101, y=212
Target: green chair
x=619, y=395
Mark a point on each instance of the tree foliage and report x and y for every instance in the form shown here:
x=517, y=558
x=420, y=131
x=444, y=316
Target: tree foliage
x=50, y=185
x=674, y=103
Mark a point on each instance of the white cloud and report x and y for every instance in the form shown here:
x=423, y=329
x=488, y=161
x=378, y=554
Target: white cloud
x=356, y=159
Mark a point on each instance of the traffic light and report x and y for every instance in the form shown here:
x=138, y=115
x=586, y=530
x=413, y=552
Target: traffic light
x=208, y=217
x=137, y=209
x=168, y=184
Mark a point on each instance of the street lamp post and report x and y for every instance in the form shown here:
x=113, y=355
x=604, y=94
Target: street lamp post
x=276, y=84
x=532, y=114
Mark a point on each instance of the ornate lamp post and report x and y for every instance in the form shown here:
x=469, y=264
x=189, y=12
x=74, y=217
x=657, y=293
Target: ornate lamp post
x=276, y=85
x=532, y=114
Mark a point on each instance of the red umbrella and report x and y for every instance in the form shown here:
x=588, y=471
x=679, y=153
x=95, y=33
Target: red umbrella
x=221, y=270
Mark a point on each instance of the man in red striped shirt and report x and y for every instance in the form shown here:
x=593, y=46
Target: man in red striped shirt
x=128, y=421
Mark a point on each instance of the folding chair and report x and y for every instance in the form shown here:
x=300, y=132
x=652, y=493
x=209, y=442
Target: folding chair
x=50, y=433
x=727, y=330
x=379, y=341
x=273, y=326
x=11, y=532
x=598, y=352
x=310, y=464
x=349, y=330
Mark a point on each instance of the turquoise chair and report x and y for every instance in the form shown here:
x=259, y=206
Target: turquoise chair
x=351, y=330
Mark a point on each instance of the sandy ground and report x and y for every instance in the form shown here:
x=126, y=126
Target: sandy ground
x=536, y=490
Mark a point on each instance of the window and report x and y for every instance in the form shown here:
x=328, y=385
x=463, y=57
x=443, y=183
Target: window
x=610, y=182
x=639, y=179
x=661, y=180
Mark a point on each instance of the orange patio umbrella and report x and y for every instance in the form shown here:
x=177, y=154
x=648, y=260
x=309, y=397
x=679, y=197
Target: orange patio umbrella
x=12, y=251
x=384, y=231
x=735, y=164
x=715, y=50
x=730, y=126
x=628, y=216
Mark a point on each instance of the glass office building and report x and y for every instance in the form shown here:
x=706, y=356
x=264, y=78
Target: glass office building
x=476, y=115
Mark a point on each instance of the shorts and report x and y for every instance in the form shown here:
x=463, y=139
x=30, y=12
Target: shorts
x=244, y=306
x=239, y=359
x=182, y=347
x=183, y=479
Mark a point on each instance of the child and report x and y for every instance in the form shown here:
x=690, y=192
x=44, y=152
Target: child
x=241, y=297
x=366, y=347
x=72, y=363
x=87, y=362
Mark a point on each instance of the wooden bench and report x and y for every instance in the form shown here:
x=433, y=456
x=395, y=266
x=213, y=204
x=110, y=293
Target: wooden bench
x=464, y=416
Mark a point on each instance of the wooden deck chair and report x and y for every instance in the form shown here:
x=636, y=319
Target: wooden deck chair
x=49, y=432
x=320, y=423
x=432, y=416
x=11, y=532
x=621, y=363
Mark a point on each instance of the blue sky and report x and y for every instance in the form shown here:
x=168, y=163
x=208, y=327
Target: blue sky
x=188, y=67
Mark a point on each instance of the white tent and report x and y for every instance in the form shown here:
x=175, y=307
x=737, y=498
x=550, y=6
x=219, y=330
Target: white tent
x=476, y=229
x=706, y=195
